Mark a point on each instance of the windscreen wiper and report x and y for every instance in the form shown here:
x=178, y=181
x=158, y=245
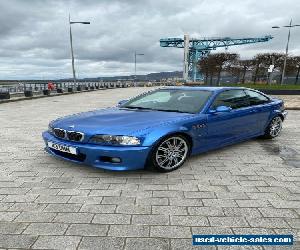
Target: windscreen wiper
x=173, y=110
x=165, y=110
x=134, y=107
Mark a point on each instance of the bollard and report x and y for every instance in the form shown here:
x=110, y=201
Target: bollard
x=4, y=95
x=70, y=89
x=46, y=92
x=59, y=90
x=28, y=93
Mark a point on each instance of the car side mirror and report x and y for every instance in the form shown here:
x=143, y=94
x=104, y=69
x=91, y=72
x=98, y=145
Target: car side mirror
x=220, y=109
x=122, y=102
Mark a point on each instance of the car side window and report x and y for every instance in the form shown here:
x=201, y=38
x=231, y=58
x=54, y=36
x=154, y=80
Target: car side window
x=256, y=98
x=234, y=99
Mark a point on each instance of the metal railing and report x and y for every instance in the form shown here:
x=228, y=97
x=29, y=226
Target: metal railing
x=30, y=89
x=21, y=87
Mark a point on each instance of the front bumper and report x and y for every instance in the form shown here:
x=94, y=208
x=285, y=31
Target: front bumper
x=284, y=113
x=132, y=158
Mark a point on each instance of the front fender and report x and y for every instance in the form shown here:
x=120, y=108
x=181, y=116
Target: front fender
x=155, y=135
x=281, y=113
x=275, y=112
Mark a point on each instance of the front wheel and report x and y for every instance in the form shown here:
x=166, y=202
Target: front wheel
x=170, y=153
x=274, y=128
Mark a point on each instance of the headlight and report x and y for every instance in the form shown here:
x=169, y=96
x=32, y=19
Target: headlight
x=115, y=139
x=50, y=129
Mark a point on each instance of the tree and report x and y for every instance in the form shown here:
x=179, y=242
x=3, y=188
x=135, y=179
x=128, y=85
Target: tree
x=293, y=66
x=263, y=61
x=275, y=59
x=207, y=66
x=245, y=65
x=257, y=61
x=204, y=68
x=235, y=71
x=224, y=60
x=297, y=62
x=214, y=64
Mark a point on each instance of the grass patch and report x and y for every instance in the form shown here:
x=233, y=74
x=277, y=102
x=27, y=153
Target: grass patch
x=266, y=86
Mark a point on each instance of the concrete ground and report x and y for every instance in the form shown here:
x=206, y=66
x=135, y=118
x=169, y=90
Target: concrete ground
x=46, y=203
x=291, y=101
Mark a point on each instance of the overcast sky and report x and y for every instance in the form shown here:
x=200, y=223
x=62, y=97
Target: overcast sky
x=34, y=38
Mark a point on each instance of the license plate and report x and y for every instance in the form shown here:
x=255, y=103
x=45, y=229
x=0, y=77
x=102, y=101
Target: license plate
x=62, y=148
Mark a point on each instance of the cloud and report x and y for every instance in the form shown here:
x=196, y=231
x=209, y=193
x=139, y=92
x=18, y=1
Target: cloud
x=34, y=34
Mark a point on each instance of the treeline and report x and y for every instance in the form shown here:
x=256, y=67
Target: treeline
x=212, y=66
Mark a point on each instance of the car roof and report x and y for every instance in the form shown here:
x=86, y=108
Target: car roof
x=207, y=88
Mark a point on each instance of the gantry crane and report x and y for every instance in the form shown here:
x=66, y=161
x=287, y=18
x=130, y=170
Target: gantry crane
x=195, y=49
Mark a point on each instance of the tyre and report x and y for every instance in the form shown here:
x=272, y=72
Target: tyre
x=274, y=128
x=169, y=154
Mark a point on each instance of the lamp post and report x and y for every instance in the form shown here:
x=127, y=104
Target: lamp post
x=287, y=46
x=135, y=55
x=71, y=44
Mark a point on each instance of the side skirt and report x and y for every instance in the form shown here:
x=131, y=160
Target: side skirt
x=207, y=148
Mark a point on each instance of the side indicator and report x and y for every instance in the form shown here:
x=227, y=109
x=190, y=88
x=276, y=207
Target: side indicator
x=199, y=126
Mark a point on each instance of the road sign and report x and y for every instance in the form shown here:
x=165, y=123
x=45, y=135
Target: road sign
x=271, y=68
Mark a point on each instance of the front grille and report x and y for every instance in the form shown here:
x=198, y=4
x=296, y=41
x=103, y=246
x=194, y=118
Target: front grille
x=79, y=157
x=68, y=135
x=61, y=133
x=74, y=136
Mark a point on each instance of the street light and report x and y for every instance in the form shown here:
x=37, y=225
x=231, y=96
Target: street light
x=287, y=46
x=136, y=54
x=71, y=43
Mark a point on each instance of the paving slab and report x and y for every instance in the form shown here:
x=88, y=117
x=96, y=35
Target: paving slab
x=251, y=187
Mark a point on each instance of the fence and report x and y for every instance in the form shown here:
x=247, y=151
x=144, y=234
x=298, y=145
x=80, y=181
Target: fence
x=31, y=89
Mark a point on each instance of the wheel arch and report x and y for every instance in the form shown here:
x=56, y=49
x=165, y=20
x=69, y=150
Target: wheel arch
x=272, y=116
x=186, y=135
x=173, y=133
x=281, y=116
x=160, y=139
x=277, y=113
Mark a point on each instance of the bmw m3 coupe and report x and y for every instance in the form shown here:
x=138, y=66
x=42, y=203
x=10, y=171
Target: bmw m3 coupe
x=160, y=129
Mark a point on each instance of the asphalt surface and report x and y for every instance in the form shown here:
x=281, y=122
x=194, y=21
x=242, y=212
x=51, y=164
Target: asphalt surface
x=47, y=203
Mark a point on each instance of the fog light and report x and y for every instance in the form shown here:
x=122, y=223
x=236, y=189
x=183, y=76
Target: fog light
x=110, y=159
x=115, y=160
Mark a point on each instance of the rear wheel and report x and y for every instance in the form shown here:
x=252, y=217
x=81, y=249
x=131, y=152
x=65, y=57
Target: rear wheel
x=170, y=153
x=274, y=128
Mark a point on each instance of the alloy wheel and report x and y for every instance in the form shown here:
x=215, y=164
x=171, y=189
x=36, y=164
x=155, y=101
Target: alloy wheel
x=275, y=126
x=171, y=153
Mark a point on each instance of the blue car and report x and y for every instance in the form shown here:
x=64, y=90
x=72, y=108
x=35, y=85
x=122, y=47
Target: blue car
x=160, y=129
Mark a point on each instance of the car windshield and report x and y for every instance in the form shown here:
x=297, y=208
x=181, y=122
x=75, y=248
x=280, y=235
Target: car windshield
x=170, y=100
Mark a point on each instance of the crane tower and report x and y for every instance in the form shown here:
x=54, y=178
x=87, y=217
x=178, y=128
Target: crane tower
x=195, y=49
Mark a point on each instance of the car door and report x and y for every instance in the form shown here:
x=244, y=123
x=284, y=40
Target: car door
x=261, y=106
x=240, y=122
